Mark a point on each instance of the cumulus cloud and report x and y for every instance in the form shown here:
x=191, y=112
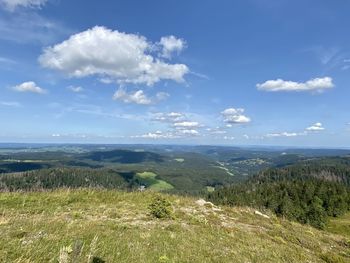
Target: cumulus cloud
x=138, y=97
x=12, y=5
x=170, y=45
x=316, y=127
x=316, y=84
x=235, y=116
x=125, y=58
x=75, y=89
x=29, y=86
x=179, y=124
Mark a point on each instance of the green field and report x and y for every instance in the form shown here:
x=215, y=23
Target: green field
x=112, y=226
x=149, y=179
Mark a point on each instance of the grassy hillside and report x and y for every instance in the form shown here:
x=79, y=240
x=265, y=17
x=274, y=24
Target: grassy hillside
x=340, y=225
x=112, y=226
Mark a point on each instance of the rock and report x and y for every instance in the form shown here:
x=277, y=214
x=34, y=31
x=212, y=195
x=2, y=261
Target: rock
x=261, y=214
x=202, y=202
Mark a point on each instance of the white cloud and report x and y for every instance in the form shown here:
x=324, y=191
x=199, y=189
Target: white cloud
x=326, y=55
x=10, y=104
x=12, y=5
x=170, y=45
x=29, y=86
x=180, y=125
x=162, y=96
x=216, y=130
x=75, y=89
x=138, y=97
x=233, y=116
x=191, y=132
x=30, y=27
x=316, y=127
x=169, y=135
x=170, y=117
x=126, y=58
x=186, y=124
x=284, y=134
x=106, y=80
x=156, y=135
x=317, y=84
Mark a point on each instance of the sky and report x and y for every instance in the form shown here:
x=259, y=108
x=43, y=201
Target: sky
x=227, y=72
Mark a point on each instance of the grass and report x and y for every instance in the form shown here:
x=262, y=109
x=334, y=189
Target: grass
x=340, y=225
x=149, y=179
x=180, y=160
x=116, y=227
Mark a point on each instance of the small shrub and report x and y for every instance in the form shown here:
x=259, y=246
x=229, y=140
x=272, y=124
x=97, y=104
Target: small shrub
x=160, y=208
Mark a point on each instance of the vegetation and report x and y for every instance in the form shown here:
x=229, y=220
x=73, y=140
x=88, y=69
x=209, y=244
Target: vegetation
x=113, y=226
x=63, y=177
x=340, y=225
x=166, y=173
x=123, y=156
x=307, y=193
x=160, y=208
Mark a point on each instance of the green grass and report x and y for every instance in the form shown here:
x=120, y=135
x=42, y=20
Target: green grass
x=116, y=227
x=340, y=225
x=180, y=160
x=149, y=179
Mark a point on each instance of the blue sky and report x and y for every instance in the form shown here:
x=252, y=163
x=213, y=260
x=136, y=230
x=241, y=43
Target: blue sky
x=254, y=72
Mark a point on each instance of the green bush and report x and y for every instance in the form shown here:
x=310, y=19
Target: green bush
x=160, y=208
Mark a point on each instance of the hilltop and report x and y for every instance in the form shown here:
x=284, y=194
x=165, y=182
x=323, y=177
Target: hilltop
x=116, y=226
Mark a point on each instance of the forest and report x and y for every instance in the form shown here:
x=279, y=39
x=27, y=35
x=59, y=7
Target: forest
x=309, y=192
